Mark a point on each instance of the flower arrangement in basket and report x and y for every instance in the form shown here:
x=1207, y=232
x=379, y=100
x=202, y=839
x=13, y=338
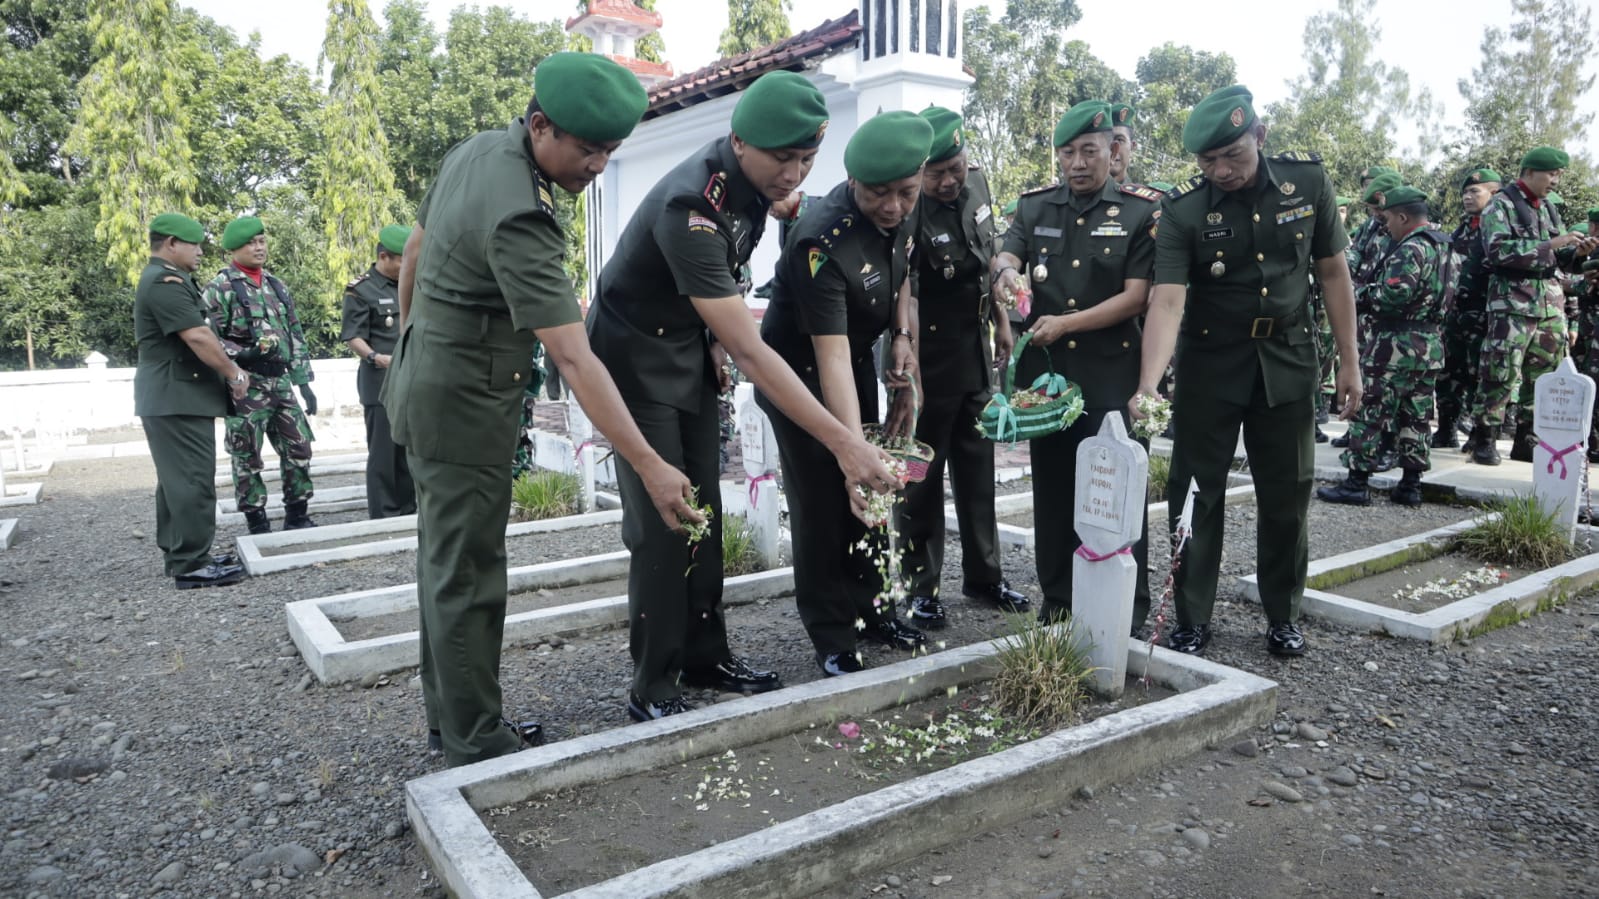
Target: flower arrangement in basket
x=914, y=454
x=1050, y=405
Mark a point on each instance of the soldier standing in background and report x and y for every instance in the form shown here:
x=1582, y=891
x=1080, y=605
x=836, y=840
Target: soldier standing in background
x=256, y=319
x=370, y=328
x=1466, y=323
x=1588, y=338
x=1123, y=143
x=1406, y=303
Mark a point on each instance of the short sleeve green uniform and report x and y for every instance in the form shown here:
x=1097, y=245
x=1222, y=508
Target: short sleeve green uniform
x=1246, y=356
x=372, y=313
x=489, y=272
x=178, y=399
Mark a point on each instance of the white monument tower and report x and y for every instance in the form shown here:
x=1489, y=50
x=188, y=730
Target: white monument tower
x=615, y=27
x=910, y=56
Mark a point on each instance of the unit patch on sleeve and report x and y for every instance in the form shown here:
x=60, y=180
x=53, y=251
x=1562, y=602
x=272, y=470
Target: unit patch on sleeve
x=815, y=260
x=701, y=224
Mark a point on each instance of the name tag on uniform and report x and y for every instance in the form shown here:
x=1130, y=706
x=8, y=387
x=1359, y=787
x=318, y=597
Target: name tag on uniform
x=940, y=240
x=983, y=212
x=1218, y=233
x=1042, y=231
x=1109, y=229
x=872, y=280
x=1303, y=212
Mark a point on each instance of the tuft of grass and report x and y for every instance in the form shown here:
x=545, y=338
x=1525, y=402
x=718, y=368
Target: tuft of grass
x=1523, y=536
x=545, y=494
x=738, y=547
x=1159, y=473
x=326, y=773
x=1043, y=673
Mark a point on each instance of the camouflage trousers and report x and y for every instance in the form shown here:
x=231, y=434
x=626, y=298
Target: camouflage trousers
x=1588, y=351
x=1515, y=351
x=1396, y=402
x=522, y=462
x=1327, y=358
x=269, y=410
x=1457, y=383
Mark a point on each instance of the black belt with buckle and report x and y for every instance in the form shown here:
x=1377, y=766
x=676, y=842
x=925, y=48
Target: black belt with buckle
x=1268, y=326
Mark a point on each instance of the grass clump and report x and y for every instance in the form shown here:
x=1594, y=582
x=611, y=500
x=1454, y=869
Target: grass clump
x=1159, y=474
x=543, y=493
x=738, y=547
x=1043, y=674
x=1522, y=536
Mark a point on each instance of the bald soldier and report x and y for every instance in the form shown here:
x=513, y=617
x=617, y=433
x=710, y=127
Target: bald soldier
x=481, y=283
x=1244, y=236
x=668, y=312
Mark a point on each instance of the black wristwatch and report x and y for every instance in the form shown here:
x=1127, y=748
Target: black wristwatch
x=372, y=358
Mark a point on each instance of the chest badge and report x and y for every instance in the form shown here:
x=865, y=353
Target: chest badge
x=388, y=321
x=1217, y=269
x=866, y=269
x=1213, y=219
x=1287, y=187
x=1041, y=270
x=1113, y=211
x=949, y=268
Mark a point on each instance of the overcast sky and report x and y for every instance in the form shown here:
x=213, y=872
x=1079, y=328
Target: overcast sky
x=1436, y=43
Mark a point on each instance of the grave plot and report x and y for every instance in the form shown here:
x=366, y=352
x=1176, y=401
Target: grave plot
x=1422, y=588
x=20, y=494
x=8, y=532
x=488, y=829
x=1015, y=511
x=321, y=466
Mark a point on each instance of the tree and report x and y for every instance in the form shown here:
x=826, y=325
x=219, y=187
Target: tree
x=752, y=24
x=1171, y=79
x=355, y=190
x=132, y=126
x=46, y=53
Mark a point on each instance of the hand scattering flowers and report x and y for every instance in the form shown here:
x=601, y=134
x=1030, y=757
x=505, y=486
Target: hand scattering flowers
x=1157, y=416
x=880, y=505
x=697, y=532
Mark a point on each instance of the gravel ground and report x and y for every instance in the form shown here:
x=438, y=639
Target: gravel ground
x=165, y=742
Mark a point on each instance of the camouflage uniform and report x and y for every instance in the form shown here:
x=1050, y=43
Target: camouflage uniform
x=1324, y=346
x=1406, y=303
x=522, y=462
x=1526, y=330
x=1464, y=327
x=249, y=316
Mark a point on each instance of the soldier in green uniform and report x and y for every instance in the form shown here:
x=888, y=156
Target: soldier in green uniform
x=1089, y=246
x=954, y=228
x=481, y=282
x=1123, y=143
x=256, y=319
x=669, y=310
x=1365, y=251
x=370, y=328
x=1407, y=303
x=1466, y=323
x=843, y=280
x=1244, y=236
x=178, y=396
x=1523, y=249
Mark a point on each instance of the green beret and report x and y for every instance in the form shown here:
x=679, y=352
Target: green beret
x=171, y=224
x=1593, y=214
x=1122, y=114
x=1403, y=195
x=1342, y=200
x=1545, y=159
x=1219, y=119
x=1371, y=172
x=1087, y=117
x=946, y=132
x=1480, y=176
x=393, y=238
x=241, y=231
x=1381, y=185
x=1556, y=199
x=887, y=147
x=781, y=111
x=1161, y=186
x=1010, y=208
x=589, y=95
x=1581, y=228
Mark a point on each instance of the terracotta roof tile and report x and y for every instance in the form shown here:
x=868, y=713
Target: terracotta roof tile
x=625, y=10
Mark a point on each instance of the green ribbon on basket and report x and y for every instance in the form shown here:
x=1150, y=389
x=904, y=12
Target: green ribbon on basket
x=1001, y=421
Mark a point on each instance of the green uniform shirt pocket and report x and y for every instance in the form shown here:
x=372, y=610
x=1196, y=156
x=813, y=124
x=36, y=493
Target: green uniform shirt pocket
x=509, y=371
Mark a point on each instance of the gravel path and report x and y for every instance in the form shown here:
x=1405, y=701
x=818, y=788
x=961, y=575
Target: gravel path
x=156, y=741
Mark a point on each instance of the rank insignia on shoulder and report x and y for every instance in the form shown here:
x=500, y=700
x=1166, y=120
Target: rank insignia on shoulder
x=701, y=225
x=1188, y=186
x=1142, y=192
x=546, y=201
x=1297, y=156
x=172, y=279
x=357, y=280
x=815, y=260
x=1041, y=190
x=716, y=190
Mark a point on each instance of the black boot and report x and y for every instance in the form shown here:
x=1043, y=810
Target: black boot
x=1521, y=446
x=1351, y=491
x=1444, y=437
x=295, y=517
x=1408, y=491
x=1341, y=441
x=1593, y=447
x=1481, y=441
x=257, y=521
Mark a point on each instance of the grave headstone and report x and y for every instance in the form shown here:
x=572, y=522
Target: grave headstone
x=1112, y=483
x=758, y=447
x=581, y=430
x=1562, y=409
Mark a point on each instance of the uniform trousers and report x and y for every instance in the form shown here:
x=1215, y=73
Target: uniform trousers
x=184, y=448
x=389, y=489
x=948, y=425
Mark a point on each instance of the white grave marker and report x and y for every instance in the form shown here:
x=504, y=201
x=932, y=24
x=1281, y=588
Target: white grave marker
x=581, y=430
x=1112, y=483
x=759, y=449
x=1562, y=409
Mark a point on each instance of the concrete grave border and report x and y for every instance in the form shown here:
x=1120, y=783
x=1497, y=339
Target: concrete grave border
x=8, y=533
x=1446, y=623
x=257, y=563
x=324, y=501
x=1016, y=535
x=334, y=660
x=834, y=843
x=333, y=464
x=22, y=495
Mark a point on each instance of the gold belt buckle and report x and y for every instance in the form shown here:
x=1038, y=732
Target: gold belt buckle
x=1262, y=327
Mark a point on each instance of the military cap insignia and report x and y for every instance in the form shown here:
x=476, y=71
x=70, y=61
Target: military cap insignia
x=1237, y=118
x=815, y=260
x=1099, y=119
x=956, y=138
x=1142, y=192
x=821, y=130
x=1122, y=114
x=716, y=190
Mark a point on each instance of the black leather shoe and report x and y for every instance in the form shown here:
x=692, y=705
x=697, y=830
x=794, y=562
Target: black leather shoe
x=435, y=741
x=1190, y=640
x=1349, y=491
x=895, y=634
x=834, y=664
x=1483, y=450
x=1341, y=441
x=1321, y=415
x=530, y=732
x=212, y=575
x=1284, y=639
x=1444, y=437
x=295, y=517
x=1406, y=494
x=1000, y=595
x=226, y=560
x=257, y=521
x=732, y=676
x=639, y=710
x=926, y=611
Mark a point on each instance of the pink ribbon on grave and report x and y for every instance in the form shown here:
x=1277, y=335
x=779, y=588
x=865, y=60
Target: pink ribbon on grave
x=1090, y=555
x=1559, y=456
x=577, y=451
x=755, y=484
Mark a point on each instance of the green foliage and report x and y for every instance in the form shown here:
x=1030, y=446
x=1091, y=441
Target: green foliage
x=132, y=126
x=738, y=547
x=1171, y=79
x=543, y=493
x=1043, y=673
x=1159, y=475
x=752, y=24
x=1523, y=536
x=46, y=53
